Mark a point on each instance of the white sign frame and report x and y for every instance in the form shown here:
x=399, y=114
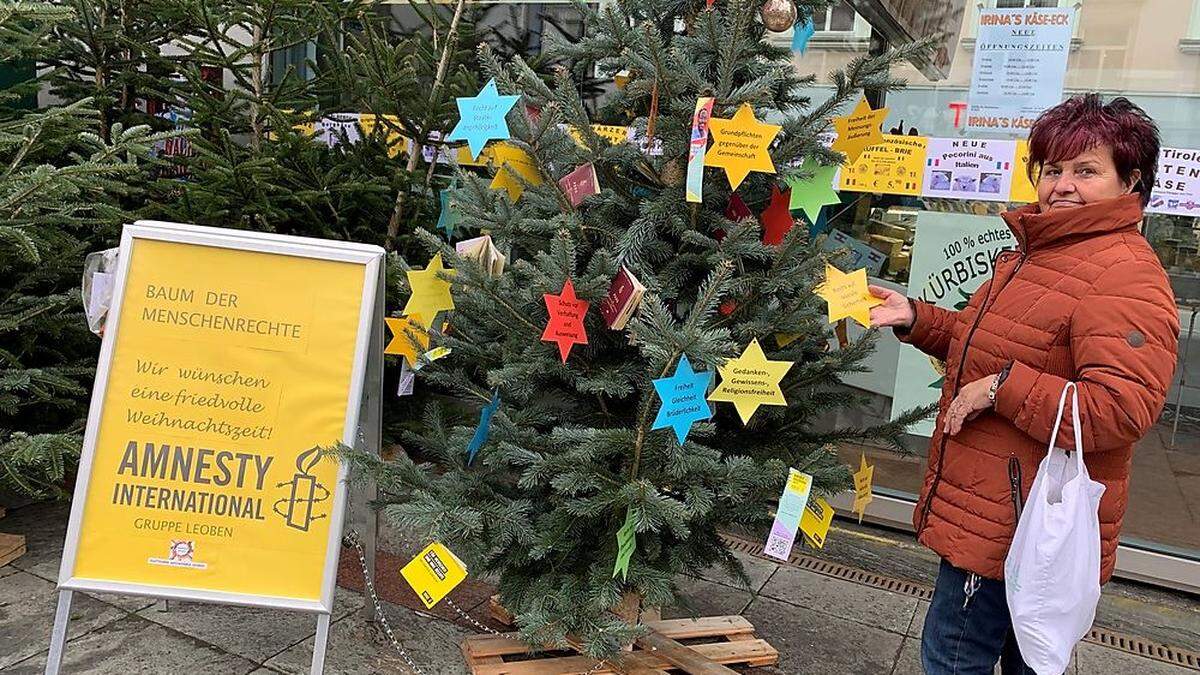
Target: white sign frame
x=362, y=406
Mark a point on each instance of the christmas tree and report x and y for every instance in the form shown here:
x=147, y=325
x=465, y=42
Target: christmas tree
x=551, y=430
x=60, y=194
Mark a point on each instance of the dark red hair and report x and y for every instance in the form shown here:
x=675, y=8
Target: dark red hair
x=1085, y=122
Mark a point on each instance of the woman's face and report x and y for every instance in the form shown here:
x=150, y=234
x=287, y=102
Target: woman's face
x=1087, y=177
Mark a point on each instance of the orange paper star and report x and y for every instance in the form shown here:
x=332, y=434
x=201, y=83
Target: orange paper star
x=410, y=337
x=740, y=145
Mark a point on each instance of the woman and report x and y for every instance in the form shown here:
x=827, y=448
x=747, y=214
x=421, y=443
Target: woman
x=1082, y=298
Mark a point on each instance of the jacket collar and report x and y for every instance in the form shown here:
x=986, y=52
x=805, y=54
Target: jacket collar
x=1034, y=229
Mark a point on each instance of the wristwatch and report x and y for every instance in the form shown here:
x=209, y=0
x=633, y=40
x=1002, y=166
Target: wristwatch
x=1000, y=377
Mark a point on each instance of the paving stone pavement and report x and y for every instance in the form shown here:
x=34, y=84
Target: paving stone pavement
x=818, y=623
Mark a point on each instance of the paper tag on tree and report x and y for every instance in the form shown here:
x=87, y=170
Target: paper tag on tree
x=862, y=487
x=696, y=149
x=788, y=514
x=485, y=425
x=434, y=573
x=859, y=130
x=408, y=378
x=626, y=543
x=818, y=515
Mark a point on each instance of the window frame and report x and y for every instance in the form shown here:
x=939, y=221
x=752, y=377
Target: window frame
x=1190, y=42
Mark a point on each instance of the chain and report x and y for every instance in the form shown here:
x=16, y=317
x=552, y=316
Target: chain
x=351, y=539
x=470, y=619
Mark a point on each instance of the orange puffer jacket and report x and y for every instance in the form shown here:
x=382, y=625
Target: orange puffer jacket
x=1083, y=298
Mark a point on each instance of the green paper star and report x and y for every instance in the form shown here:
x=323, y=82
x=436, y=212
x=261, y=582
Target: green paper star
x=815, y=192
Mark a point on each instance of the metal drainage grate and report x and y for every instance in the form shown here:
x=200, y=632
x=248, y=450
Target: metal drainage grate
x=836, y=570
x=1140, y=647
x=1102, y=636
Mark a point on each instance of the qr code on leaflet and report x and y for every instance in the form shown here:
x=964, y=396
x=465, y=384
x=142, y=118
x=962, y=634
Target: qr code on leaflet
x=776, y=547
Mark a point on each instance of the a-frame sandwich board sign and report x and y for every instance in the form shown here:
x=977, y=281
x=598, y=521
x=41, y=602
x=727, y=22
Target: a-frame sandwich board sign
x=229, y=359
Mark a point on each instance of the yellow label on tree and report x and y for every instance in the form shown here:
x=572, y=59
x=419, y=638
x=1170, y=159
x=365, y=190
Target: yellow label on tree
x=818, y=515
x=434, y=573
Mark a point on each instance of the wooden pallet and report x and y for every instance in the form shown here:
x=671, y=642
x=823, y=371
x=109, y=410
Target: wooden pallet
x=711, y=644
x=12, y=546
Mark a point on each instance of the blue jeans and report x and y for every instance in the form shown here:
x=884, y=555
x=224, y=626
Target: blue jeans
x=967, y=629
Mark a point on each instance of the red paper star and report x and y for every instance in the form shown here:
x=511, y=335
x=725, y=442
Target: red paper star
x=777, y=219
x=736, y=209
x=566, y=320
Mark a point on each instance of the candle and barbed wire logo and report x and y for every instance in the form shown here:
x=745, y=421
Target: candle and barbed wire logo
x=304, y=493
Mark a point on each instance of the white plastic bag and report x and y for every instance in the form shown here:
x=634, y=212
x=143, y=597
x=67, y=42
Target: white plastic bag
x=1052, y=572
x=99, y=270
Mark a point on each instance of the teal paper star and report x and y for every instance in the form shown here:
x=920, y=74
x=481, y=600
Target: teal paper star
x=481, y=118
x=449, y=217
x=815, y=192
x=683, y=399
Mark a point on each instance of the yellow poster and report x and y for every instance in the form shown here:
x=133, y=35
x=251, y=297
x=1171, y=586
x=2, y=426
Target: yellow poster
x=894, y=167
x=1023, y=190
x=229, y=368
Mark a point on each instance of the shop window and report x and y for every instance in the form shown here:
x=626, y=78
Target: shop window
x=296, y=59
x=1190, y=44
x=838, y=28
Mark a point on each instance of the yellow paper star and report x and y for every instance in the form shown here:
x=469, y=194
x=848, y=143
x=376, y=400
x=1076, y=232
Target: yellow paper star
x=509, y=162
x=862, y=487
x=847, y=295
x=859, y=130
x=740, y=145
x=402, y=344
x=751, y=380
x=430, y=293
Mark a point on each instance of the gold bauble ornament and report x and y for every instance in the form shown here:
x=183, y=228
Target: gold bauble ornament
x=778, y=15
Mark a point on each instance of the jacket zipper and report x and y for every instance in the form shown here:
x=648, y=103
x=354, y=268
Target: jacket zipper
x=962, y=364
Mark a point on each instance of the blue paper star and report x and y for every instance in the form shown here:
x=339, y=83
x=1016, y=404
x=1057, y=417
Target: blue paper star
x=801, y=35
x=449, y=216
x=683, y=399
x=481, y=118
x=485, y=425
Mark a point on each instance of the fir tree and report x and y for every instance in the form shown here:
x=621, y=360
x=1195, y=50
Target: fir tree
x=60, y=188
x=113, y=52
x=571, y=450
x=256, y=164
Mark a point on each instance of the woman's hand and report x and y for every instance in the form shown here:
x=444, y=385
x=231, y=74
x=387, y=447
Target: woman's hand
x=972, y=399
x=895, y=310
